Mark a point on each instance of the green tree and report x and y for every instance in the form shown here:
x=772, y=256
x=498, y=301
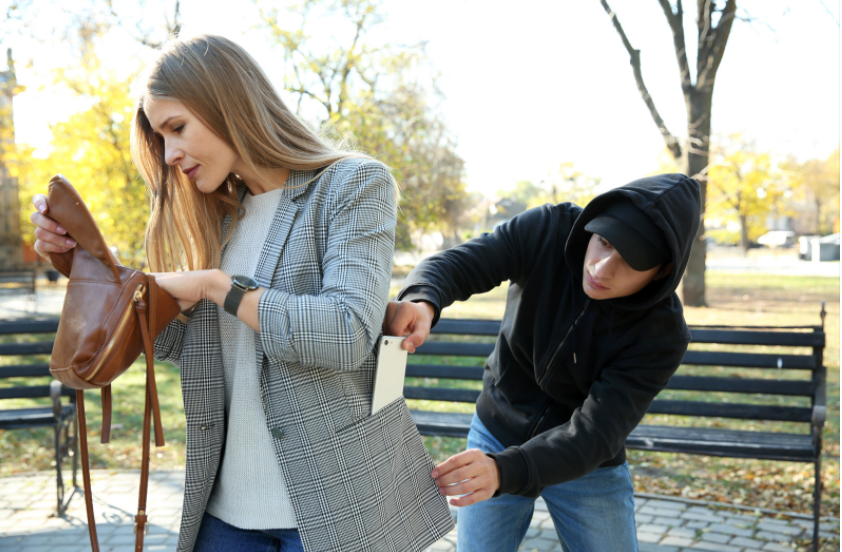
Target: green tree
x=564, y=184
x=91, y=148
x=377, y=97
x=744, y=186
x=567, y=183
x=816, y=181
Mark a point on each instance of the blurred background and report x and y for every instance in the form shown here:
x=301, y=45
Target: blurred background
x=482, y=109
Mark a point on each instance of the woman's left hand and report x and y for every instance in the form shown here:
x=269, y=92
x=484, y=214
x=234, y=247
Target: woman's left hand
x=468, y=472
x=190, y=287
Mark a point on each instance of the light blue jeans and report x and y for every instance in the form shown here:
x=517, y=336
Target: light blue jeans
x=594, y=513
x=217, y=536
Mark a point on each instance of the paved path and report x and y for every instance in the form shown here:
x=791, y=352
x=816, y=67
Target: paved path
x=27, y=502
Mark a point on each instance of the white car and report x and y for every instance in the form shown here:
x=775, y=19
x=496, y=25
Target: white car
x=777, y=238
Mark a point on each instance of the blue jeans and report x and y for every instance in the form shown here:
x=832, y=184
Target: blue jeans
x=217, y=536
x=594, y=513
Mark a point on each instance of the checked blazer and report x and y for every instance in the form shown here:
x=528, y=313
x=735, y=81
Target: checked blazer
x=357, y=482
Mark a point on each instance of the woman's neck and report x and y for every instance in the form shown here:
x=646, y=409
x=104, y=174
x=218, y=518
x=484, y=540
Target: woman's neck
x=265, y=181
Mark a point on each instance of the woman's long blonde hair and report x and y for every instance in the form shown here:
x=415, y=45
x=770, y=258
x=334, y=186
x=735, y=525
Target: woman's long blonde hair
x=219, y=82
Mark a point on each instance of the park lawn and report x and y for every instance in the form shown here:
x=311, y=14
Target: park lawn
x=733, y=299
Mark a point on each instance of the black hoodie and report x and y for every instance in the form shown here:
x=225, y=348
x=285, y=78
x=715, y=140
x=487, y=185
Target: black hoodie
x=563, y=397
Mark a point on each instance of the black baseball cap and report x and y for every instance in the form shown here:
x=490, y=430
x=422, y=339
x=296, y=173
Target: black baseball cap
x=633, y=234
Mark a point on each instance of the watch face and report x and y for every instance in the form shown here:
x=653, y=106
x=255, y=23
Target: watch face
x=245, y=282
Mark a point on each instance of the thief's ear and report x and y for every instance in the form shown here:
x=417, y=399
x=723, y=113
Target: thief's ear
x=664, y=272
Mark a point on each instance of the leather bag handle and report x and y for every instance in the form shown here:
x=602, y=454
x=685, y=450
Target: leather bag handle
x=151, y=420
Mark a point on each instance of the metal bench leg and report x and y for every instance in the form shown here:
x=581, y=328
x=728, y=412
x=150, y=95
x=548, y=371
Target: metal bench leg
x=61, y=506
x=75, y=438
x=817, y=503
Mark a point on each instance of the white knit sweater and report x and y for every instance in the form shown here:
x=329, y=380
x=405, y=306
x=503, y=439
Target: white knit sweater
x=249, y=492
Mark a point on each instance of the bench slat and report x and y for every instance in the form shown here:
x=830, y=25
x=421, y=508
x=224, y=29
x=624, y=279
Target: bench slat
x=39, y=348
x=723, y=442
x=32, y=417
x=740, y=337
x=49, y=325
x=441, y=394
x=688, y=440
x=24, y=370
x=32, y=392
x=700, y=335
x=742, y=385
x=467, y=327
x=440, y=348
x=443, y=371
x=736, y=411
x=449, y=424
x=749, y=360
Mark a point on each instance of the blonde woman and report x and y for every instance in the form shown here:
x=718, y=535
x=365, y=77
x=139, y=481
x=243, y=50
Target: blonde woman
x=281, y=247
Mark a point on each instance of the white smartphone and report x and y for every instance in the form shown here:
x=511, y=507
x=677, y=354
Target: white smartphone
x=390, y=372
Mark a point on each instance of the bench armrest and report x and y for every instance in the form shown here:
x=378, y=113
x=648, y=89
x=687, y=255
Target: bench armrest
x=55, y=396
x=819, y=416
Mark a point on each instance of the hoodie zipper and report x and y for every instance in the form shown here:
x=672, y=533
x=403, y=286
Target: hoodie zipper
x=563, y=341
x=549, y=407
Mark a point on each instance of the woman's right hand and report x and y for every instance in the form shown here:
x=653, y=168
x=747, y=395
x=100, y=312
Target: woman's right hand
x=49, y=236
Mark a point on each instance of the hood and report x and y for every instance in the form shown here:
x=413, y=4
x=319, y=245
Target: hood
x=673, y=203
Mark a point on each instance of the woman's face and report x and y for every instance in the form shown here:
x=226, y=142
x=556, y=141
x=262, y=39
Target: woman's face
x=189, y=144
x=606, y=275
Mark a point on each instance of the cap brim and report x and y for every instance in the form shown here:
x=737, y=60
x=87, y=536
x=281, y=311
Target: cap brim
x=635, y=249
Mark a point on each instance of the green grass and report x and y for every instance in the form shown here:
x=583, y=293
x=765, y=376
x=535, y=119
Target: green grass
x=733, y=299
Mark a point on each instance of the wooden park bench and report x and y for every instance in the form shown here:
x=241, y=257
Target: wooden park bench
x=18, y=280
x=770, y=374
x=16, y=382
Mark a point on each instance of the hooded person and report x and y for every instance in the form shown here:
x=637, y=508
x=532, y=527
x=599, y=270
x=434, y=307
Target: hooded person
x=592, y=332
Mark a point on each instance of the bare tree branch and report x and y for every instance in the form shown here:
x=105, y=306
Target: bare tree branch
x=830, y=13
x=714, y=41
x=145, y=36
x=634, y=55
x=346, y=70
x=676, y=22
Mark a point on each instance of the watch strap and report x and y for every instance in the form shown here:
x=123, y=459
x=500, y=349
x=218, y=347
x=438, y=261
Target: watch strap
x=233, y=299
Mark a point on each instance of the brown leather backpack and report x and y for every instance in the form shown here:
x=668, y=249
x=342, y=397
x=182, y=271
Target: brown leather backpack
x=111, y=314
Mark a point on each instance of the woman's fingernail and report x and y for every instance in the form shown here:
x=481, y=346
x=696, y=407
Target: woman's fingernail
x=41, y=207
x=61, y=230
x=71, y=243
x=435, y=473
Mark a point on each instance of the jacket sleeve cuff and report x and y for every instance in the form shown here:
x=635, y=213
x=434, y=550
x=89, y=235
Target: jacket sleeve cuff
x=514, y=471
x=427, y=294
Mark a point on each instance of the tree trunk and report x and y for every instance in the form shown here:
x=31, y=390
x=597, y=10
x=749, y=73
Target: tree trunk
x=694, y=163
x=744, y=234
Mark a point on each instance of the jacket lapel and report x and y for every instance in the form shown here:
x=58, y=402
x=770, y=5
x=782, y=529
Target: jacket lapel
x=282, y=222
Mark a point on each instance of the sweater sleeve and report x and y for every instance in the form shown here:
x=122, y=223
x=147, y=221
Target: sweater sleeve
x=481, y=264
x=338, y=327
x=598, y=429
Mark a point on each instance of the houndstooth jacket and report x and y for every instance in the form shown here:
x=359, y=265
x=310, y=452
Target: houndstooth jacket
x=357, y=482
